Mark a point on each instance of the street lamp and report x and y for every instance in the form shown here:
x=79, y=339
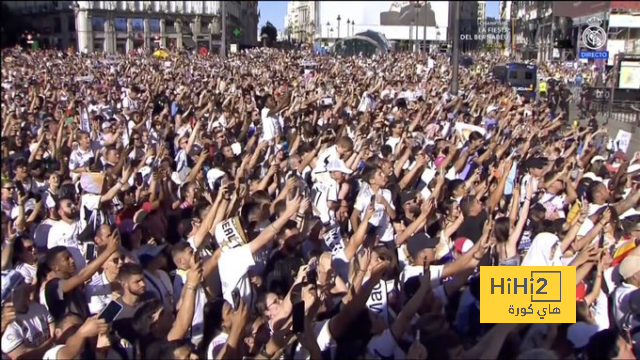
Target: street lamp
x=418, y=7
x=331, y=32
x=353, y=24
x=348, y=23
x=339, y=19
x=328, y=27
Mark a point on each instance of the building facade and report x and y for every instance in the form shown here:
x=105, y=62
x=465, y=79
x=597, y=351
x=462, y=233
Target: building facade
x=122, y=26
x=537, y=25
x=302, y=20
x=482, y=11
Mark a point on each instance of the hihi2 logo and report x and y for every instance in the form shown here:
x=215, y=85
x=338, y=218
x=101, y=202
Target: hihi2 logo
x=528, y=294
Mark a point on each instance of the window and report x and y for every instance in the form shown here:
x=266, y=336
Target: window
x=528, y=75
x=57, y=25
x=513, y=75
x=71, y=23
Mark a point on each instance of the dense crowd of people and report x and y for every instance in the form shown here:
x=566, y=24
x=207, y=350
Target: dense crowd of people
x=197, y=208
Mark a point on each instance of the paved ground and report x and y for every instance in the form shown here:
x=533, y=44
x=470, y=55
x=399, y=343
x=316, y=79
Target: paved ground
x=613, y=128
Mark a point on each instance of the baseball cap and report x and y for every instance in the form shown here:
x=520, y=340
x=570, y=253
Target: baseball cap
x=633, y=168
x=598, y=158
x=463, y=245
x=339, y=166
x=629, y=266
x=580, y=333
x=407, y=196
x=620, y=155
x=149, y=250
x=419, y=242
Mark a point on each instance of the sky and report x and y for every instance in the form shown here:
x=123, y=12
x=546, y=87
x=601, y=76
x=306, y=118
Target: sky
x=275, y=11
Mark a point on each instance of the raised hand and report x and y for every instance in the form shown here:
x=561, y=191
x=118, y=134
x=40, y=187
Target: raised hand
x=194, y=274
x=93, y=326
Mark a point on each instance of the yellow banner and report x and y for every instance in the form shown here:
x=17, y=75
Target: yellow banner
x=527, y=294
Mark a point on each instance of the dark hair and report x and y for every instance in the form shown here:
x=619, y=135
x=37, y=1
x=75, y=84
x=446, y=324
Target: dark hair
x=142, y=323
x=212, y=327
x=52, y=254
x=439, y=345
x=603, y=345
x=65, y=317
x=453, y=186
x=179, y=248
x=166, y=349
x=129, y=269
x=501, y=229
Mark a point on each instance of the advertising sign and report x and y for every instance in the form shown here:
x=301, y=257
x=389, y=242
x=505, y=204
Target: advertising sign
x=579, y=8
x=395, y=19
x=629, y=74
x=528, y=294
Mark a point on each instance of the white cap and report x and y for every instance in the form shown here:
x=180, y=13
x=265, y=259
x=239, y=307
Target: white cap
x=597, y=158
x=580, y=333
x=213, y=175
x=592, y=176
x=629, y=213
x=633, y=168
x=338, y=165
x=428, y=175
x=491, y=108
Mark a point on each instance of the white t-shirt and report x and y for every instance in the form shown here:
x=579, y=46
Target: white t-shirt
x=393, y=142
x=383, y=346
x=201, y=299
x=380, y=216
x=52, y=354
x=91, y=204
x=216, y=345
x=98, y=293
x=324, y=338
x=621, y=305
x=553, y=203
x=181, y=163
x=322, y=193
x=234, y=265
x=28, y=271
x=30, y=329
x=270, y=126
x=65, y=234
x=325, y=157
x=410, y=271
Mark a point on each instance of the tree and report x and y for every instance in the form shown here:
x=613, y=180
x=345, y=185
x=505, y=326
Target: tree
x=270, y=32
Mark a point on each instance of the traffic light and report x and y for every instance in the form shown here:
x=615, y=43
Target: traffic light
x=444, y=48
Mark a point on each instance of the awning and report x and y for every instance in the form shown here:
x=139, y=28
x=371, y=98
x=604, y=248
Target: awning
x=188, y=42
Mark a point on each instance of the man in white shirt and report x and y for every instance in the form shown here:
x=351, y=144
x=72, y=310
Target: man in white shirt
x=31, y=334
x=373, y=191
x=325, y=193
x=183, y=258
x=342, y=150
x=271, y=120
x=65, y=232
x=629, y=270
x=81, y=158
x=236, y=264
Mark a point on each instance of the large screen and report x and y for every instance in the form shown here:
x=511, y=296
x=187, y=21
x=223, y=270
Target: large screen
x=629, y=75
x=392, y=18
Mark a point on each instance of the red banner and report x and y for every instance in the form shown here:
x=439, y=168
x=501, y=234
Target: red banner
x=626, y=5
x=575, y=9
